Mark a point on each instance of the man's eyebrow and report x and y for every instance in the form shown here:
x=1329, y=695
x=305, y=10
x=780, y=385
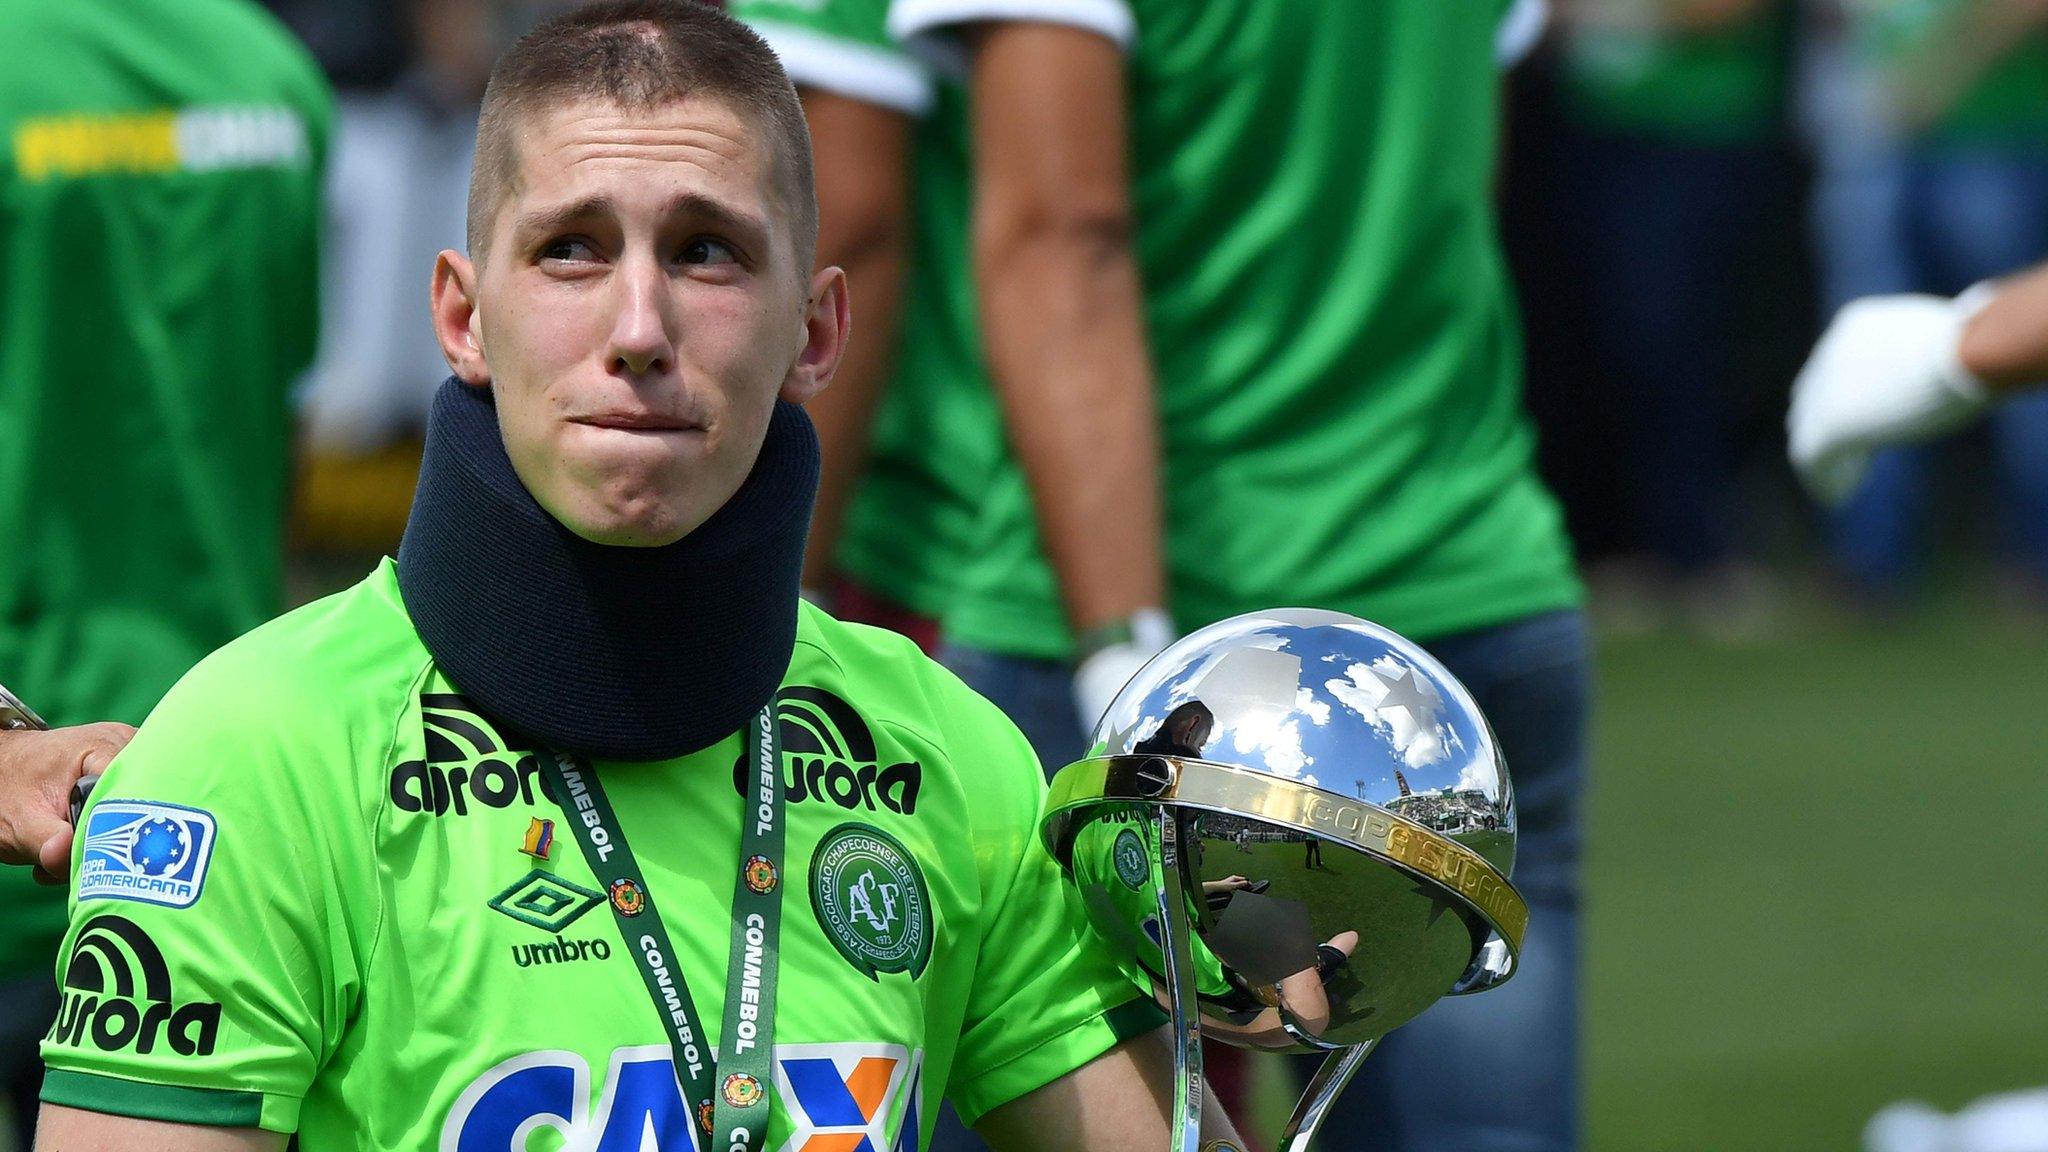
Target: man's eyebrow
x=745, y=227
x=546, y=220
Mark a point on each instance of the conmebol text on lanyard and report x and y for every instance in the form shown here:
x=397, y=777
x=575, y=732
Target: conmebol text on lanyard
x=731, y=1099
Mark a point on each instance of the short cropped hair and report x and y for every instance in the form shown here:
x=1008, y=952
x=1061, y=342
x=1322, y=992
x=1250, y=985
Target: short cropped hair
x=639, y=55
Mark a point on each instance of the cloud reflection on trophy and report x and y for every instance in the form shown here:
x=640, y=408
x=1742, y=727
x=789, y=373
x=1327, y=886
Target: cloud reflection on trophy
x=1296, y=829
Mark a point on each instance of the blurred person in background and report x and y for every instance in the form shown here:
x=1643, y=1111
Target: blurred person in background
x=1951, y=100
x=1235, y=283
x=904, y=455
x=396, y=190
x=405, y=128
x=159, y=219
x=1673, y=111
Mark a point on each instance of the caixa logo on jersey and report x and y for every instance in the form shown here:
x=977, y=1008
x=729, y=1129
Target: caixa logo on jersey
x=118, y=997
x=829, y=754
x=832, y=1098
x=144, y=851
x=467, y=764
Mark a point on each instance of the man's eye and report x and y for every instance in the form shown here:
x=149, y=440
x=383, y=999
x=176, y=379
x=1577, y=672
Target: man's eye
x=567, y=248
x=704, y=250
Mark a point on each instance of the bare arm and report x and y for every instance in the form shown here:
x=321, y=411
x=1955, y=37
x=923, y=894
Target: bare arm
x=860, y=154
x=1062, y=308
x=37, y=770
x=1115, y=1103
x=2006, y=344
x=60, y=1129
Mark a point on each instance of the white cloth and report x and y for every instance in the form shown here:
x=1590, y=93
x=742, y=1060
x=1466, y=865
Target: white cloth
x=1885, y=372
x=1103, y=673
x=2010, y=1122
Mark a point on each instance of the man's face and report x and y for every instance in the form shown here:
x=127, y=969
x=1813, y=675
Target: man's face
x=637, y=313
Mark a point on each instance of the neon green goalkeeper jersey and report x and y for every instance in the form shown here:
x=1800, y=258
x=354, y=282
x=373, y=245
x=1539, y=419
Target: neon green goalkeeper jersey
x=1333, y=334
x=320, y=893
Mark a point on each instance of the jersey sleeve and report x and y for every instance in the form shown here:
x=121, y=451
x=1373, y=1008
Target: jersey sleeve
x=223, y=900
x=1047, y=996
x=930, y=27
x=842, y=47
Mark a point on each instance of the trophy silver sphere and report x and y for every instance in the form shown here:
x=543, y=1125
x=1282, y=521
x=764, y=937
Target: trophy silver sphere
x=1336, y=816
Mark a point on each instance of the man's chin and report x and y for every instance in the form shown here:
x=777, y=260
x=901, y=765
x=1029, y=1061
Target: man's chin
x=633, y=533
x=652, y=525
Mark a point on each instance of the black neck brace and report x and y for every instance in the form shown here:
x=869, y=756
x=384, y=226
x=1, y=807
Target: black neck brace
x=606, y=652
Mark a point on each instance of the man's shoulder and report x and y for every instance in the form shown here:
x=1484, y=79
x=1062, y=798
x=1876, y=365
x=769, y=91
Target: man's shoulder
x=284, y=734
x=268, y=62
x=886, y=677
x=334, y=663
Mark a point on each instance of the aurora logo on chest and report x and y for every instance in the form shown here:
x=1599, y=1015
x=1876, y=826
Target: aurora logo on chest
x=869, y=896
x=467, y=764
x=829, y=753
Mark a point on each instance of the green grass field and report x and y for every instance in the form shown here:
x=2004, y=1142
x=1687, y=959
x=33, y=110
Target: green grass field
x=1816, y=873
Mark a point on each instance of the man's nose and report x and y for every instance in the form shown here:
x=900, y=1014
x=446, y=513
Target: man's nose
x=641, y=342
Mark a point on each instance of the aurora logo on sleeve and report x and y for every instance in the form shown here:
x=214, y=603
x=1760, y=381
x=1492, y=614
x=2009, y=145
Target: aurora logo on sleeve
x=829, y=753
x=117, y=996
x=837, y=1097
x=147, y=852
x=870, y=898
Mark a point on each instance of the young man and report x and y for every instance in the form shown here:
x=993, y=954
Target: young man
x=573, y=828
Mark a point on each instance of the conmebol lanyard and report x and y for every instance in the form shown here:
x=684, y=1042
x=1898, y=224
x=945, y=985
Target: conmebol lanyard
x=729, y=1100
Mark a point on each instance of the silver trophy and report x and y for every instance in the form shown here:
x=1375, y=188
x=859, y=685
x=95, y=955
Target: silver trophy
x=1295, y=828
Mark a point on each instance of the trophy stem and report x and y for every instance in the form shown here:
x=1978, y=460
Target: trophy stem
x=1337, y=1070
x=1175, y=931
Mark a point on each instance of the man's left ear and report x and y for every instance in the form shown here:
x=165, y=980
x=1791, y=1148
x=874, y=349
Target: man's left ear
x=827, y=321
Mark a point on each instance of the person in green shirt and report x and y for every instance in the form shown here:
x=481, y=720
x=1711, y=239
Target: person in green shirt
x=574, y=826
x=160, y=172
x=904, y=454
x=1236, y=305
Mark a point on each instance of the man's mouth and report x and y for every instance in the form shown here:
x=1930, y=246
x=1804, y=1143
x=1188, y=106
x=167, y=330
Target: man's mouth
x=637, y=422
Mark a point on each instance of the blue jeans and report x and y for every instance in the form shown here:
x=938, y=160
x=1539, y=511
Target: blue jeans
x=1952, y=217
x=1496, y=1072
x=1656, y=228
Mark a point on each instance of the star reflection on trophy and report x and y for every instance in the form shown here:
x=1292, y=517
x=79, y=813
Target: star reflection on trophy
x=1197, y=826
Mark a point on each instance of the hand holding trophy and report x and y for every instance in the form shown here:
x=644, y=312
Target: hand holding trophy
x=1195, y=830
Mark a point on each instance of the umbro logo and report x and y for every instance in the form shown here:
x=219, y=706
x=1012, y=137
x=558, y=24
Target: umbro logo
x=546, y=901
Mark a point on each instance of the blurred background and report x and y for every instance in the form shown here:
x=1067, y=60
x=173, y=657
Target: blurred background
x=1815, y=864
x=1815, y=860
